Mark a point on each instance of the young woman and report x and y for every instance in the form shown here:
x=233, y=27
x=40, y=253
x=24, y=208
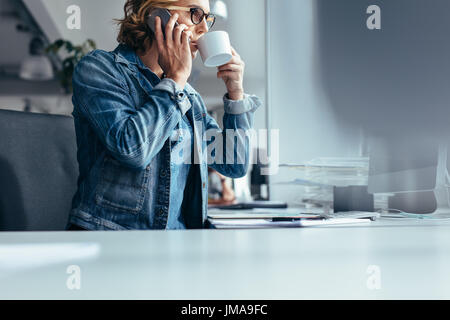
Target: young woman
x=134, y=111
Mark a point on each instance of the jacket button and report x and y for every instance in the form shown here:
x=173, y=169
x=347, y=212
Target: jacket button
x=204, y=185
x=162, y=174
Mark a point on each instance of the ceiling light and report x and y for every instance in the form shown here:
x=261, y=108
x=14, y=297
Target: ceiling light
x=219, y=8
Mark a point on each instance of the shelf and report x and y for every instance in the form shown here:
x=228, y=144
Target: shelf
x=14, y=86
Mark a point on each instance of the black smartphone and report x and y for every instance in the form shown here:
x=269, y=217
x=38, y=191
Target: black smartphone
x=165, y=16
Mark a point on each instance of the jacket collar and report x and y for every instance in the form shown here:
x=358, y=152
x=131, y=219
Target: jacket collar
x=126, y=55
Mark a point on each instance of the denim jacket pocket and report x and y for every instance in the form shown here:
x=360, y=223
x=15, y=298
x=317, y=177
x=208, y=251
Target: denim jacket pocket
x=121, y=188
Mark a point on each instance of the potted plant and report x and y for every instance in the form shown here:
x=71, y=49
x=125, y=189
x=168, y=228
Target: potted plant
x=71, y=56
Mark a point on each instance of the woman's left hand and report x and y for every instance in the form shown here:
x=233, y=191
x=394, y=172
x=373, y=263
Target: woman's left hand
x=232, y=74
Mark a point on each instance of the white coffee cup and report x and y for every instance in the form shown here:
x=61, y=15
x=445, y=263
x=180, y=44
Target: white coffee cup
x=215, y=48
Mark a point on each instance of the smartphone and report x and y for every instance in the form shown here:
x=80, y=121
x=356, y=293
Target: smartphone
x=165, y=16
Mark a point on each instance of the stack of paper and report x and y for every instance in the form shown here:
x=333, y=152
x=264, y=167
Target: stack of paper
x=287, y=218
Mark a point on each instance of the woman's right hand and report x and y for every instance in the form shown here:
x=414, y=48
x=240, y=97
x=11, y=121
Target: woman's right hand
x=175, y=56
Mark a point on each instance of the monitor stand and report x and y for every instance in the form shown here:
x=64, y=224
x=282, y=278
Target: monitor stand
x=415, y=204
x=441, y=191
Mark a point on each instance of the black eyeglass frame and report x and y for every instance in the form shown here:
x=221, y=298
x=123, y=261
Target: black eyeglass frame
x=192, y=11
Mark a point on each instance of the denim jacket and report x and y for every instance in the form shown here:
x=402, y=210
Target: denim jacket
x=124, y=117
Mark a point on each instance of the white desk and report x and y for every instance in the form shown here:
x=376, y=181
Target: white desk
x=413, y=257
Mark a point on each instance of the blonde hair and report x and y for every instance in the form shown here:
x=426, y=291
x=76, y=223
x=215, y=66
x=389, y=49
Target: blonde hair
x=134, y=31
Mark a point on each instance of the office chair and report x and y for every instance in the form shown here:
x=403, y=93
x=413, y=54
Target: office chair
x=38, y=171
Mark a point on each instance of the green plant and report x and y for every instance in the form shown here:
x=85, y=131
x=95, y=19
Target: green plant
x=71, y=56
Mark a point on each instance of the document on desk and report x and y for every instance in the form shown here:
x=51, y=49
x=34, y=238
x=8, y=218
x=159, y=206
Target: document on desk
x=277, y=223
x=290, y=213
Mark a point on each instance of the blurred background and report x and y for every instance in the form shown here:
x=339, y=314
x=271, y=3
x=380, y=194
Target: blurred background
x=38, y=51
x=329, y=84
x=21, y=21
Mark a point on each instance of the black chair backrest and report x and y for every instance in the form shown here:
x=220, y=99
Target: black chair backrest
x=38, y=171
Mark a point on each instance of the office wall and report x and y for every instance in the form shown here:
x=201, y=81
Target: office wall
x=299, y=106
x=96, y=18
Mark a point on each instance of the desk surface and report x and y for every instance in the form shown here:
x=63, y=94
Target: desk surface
x=413, y=260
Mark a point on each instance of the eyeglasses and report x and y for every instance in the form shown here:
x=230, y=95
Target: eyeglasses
x=197, y=15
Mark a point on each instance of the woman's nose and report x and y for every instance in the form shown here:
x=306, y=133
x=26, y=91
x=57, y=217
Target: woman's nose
x=202, y=27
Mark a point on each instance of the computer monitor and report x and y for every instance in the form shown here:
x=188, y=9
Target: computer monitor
x=412, y=173
x=394, y=83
